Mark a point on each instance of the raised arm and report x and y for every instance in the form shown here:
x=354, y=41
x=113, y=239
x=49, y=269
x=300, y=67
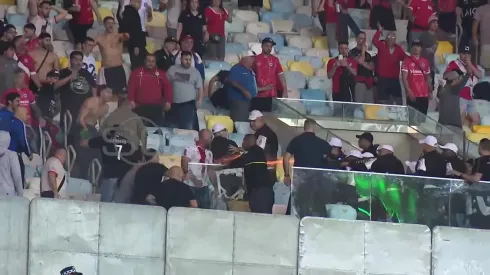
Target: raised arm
x=33, y=8
x=62, y=13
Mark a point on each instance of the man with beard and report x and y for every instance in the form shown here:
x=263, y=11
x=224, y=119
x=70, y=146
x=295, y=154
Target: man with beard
x=39, y=16
x=44, y=58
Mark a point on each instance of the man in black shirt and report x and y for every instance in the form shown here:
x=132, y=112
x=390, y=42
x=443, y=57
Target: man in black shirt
x=266, y=138
x=366, y=143
x=146, y=181
x=465, y=10
x=431, y=163
x=453, y=162
x=364, y=79
x=131, y=24
x=219, y=98
x=481, y=168
x=47, y=99
x=387, y=162
x=164, y=56
x=220, y=146
x=257, y=179
x=75, y=85
x=173, y=192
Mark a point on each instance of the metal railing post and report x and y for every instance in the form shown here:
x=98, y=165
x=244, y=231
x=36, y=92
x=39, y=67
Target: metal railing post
x=94, y=174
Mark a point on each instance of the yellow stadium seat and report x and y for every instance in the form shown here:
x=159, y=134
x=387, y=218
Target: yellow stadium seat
x=325, y=60
x=289, y=63
x=170, y=161
x=105, y=12
x=98, y=64
x=224, y=120
x=481, y=129
x=443, y=48
x=267, y=4
x=64, y=62
x=159, y=20
x=371, y=112
x=320, y=42
x=302, y=66
x=10, y=3
x=284, y=68
x=151, y=47
x=475, y=137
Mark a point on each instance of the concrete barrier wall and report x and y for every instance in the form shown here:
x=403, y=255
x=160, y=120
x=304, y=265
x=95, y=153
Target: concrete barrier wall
x=99, y=238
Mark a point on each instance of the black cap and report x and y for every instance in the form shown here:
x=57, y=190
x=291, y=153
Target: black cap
x=464, y=48
x=367, y=136
x=416, y=42
x=268, y=40
x=171, y=39
x=70, y=270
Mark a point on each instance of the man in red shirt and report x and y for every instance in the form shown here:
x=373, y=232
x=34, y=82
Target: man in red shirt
x=83, y=18
x=467, y=106
x=419, y=13
x=25, y=61
x=149, y=91
x=32, y=41
x=342, y=70
x=389, y=57
x=269, y=77
x=338, y=20
x=416, y=78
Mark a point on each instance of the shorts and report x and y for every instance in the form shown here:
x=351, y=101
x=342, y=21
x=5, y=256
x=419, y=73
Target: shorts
x=467, y=106
x=252, y=3
x=79, y=31
x=389, y=88
x=216, y=49
x=114, y=78
x=447, y=22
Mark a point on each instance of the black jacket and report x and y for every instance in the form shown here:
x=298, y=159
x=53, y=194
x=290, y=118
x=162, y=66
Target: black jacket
x=164, y=59
x=131, y=24
x=388, y=164
x=435, y=165
x=255, y=168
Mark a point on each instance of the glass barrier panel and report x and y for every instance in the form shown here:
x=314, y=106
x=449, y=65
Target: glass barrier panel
x=470, y=205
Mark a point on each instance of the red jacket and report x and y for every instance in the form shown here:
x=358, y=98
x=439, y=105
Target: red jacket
x=149, y=87
x=388, y=64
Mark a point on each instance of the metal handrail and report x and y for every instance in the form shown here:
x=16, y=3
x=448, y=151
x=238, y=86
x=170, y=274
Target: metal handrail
x=94, y=174
x=67, y=123
x=71, y=157
x=46, y=145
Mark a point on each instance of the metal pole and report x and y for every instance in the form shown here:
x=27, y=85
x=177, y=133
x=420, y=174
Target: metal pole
x=95, y=176
x=48, y=142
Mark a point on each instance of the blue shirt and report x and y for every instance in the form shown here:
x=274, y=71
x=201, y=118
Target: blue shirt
x=244, y=77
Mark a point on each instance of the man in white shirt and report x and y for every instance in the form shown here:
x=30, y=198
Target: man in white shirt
x=39, y=16
x=89, y=63
x=53, y=176
x=145, y=11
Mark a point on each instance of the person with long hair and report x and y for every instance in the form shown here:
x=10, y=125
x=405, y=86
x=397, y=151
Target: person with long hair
x=216, y=16
x=192, y=22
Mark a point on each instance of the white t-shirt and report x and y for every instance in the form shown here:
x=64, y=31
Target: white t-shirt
x=89, y=64
x=142, y=11
x=40, y=22
x=53, y=164
x=198, y=171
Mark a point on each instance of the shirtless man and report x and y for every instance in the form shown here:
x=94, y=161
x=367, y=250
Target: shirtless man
x=95, y=109
x=46, y=61
x=112, y=71
x=39, y=16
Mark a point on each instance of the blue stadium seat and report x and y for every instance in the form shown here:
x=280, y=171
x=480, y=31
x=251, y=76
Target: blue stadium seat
x=235, y=48
x=173, y=151
x=267, y=17
x=315, y=62
x=18, y=20
x=235, y=26
x=282, y=6
x=301, y=21
x=237, y=138
x=315, y=108
x=218, y=65
x=312, y=94
x=284, y=58
x=295, y=80
x=279, y=39
x=291, y=51
x=334, y=52
x=485, y=79
x=319, y=82
x=181, y=140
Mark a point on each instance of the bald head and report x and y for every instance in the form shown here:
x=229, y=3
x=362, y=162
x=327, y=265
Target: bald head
x=205, y=137
x=61, y=155
x=249, y=141
x=247, y=61
x=22, y=114
x=176, y=173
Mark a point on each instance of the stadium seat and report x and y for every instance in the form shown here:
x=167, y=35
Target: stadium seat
x=181, y=140
x=285, y=58
x=278, y=39
x=282, y=26
x=18, y=20
x=485, y=120
x=295, y=80
x=450, y=57
x=237, y=138
x=311, y=31
x=159, y=20
x=267, y=17
x=293, y=93
x=485, y=79
x=217, y=65
x=301, y=21
x=232, y=58
x=59, y=48
x=352, y=43
x=170, y=161
x=185, y=132
x=443, y=47
x=302, y=66
x=300, y=42
x=151, y=47
x=235, y=48
x=312, y=94
x=235, y=26
x=257, y=27
x=291, y=51
x=108, y=5
x=7, y=3
x=401, y=30
x=361, y=17
x=224, y=120
x=320, y=42
x=107, y=12
x=64, y=62
x=317, y=53
x=306, y=10
x=320, y=83
x=322, y=72
x=282, y=6
x=334, y=52
x=244, y=38
x=246, y=15
x=315, y=62
x=173, y=151
x=267, y=4
x=243, y=127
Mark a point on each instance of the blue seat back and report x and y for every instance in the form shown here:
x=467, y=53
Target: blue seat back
x=291, y=51
x=235, y=48
x=268, y=16
x=295, y=80
x=217, y=65
x=301, y=21
x=316, y=62
x=282, y=6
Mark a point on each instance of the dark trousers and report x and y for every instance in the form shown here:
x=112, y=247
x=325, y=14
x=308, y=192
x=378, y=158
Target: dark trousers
x=346, y=22
x=322, y=17
x=47, y=194
x=384, y=17
x=22, y=170
x=344, y=109
x=261, y=200
x=263, y=104
x=79, y=31
x=420, y=104
x=185, y=116
x=153, y=113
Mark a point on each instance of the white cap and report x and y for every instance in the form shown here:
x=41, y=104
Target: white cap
x=429, y=140
x=354, y=153
x=335, y=142
x=367, y=155
x=450, y=146
x=254, y=115
x=386, y=147
x=218, y=128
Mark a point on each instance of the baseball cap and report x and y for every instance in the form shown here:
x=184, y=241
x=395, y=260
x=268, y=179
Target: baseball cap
x=416, y=42
x=450, y=146
x=186, y=37
x=354, y=153
x=429, y=140
x=170, y=39
x=254, y=115
x=367, y=155
x=218, y=128
x=386, y=147
x=268, y=40
x=335, y=142
x=464, y=48
x=432, y=18
x=367, y=136
x=70, y=270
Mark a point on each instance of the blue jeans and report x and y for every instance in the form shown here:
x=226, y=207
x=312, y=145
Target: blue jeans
x=185, y=115
x=107, y=189
x=203, y=197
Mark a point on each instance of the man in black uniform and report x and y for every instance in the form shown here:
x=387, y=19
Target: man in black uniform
x=366, y=143
x=453, y=162
x=164, y=56
x=259, y=185
x=266, y=138
x=387, y=162
x=481, y=169
x=431, y=163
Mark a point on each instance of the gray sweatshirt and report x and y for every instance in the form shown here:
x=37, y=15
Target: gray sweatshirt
x=449, y=113
x=10, y=175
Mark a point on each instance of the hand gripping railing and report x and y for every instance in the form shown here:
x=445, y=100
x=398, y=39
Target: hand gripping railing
x=71, y=157
x=67, y=123
x=95, y=170
x=46, y=143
